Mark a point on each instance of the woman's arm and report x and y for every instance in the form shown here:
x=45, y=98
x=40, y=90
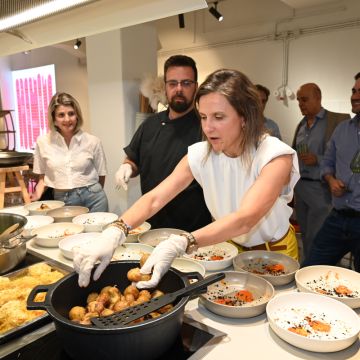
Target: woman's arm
x=39, y=189
x=150, y=203
x=256, y=202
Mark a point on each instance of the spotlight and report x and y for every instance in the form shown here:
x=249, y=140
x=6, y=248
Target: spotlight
x=77, y=44
x=213, y=10
x=181, y=21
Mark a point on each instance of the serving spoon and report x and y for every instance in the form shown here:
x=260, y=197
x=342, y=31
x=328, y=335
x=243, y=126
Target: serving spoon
x=9, y=230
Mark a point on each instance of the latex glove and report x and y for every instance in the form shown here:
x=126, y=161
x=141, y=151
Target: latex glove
x=161, y=259
x=102, y=248
x=123, y=175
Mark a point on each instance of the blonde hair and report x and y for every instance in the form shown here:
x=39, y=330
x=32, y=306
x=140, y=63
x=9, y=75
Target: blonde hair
x=65, y=100
x=243, y=96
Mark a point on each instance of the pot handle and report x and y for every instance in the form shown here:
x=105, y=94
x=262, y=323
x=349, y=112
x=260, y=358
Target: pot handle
x=195, y=275
x=37, y=305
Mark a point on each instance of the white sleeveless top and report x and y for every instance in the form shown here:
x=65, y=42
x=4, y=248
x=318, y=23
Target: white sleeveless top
x=225, y=180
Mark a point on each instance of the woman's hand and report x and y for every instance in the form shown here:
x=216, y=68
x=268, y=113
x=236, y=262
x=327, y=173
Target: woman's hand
x=102, y=248
x=161, y=259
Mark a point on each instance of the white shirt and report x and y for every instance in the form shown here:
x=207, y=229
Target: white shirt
x=225, y=180
x=71, y=167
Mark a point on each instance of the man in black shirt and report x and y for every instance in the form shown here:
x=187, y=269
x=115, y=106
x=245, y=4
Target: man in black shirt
x=161, y=141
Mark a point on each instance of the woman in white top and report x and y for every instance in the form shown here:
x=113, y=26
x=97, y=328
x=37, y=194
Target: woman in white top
x=69, y=160
x=247, y=177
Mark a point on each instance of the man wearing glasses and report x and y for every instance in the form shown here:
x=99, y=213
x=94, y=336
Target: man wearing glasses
x=340, y=168
x=160, y=143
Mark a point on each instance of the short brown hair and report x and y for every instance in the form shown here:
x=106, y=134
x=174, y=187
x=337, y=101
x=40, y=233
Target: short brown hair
x=65, y=100
x=264, y=89
x=357, y=76
x=180, y=60
x=243, y=96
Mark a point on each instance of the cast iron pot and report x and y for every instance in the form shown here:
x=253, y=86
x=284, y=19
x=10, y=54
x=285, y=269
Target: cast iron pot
x=146, y=340
x=9, y=258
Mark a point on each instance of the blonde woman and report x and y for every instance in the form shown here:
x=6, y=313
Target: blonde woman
x=69, y=160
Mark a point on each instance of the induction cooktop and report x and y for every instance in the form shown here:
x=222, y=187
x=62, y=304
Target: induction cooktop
x=194, y=342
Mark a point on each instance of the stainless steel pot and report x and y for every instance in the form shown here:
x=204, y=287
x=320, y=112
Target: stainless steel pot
x=12, y=246
x=146, y=340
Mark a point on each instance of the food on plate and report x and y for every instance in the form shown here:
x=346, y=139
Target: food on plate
x=110, y=300
x=61, y=234
x=332, y=284
x=43, y=207
x=14, y=293
x=210, y=254
x=235, y=299
x=310, y=324
x=262, y=266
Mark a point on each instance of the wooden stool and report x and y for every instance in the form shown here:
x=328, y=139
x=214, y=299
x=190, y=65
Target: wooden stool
x=12, y=173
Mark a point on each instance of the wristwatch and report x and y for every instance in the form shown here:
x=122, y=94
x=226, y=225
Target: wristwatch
x=192, y=244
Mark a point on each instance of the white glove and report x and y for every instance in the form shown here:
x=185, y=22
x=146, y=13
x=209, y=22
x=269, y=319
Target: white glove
x=102, y=248
x=161, y=259
x=123, y=175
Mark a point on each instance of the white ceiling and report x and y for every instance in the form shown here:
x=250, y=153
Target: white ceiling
x=106, y=15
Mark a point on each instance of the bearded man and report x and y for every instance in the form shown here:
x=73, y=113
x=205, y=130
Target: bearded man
x=161, y=141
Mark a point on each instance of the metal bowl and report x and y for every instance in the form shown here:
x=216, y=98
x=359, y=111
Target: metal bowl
x=256, y=260
x=235, y=281
x=14, y=158
x=67, y=213
x=324, y=279
x=155, y=236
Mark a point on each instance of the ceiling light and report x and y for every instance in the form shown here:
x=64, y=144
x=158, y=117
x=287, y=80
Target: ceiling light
x=214, y=11
x=77, y=44
x=181, y=21
x=18, y=12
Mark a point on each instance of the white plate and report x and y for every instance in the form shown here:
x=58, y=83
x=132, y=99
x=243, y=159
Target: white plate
x=34, y=208
x=155, y=236
x=132, y=251
x=188, y=265
x=19, y=210
x=288, y=310
x=94, y=222
x=328, y=277
x=67, y=244
x=225, y=249
x=50, y=235
x=134, y=234
x=36, y=221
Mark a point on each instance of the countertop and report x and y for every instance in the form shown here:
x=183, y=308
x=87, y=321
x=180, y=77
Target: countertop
x=247, y=338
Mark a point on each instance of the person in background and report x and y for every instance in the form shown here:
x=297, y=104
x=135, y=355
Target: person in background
x=160, y=143
x=247, y=178
x=270, y=125
x=312, y=196
x=70, y=160
x=340, y=168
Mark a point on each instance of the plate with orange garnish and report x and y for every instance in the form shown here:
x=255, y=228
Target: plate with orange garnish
x=278, y=269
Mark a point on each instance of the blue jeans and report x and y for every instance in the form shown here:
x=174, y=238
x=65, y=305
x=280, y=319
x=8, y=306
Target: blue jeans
x=92, y=196
x=338, y=235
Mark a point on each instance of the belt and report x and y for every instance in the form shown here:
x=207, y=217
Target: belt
x=348, y=212
x=62, y=190
x=270, y=245
x=308, y=179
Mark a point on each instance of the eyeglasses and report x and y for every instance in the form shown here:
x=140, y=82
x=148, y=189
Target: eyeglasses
x=183, y=83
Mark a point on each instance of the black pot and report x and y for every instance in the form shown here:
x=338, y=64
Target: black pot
x=146, y=340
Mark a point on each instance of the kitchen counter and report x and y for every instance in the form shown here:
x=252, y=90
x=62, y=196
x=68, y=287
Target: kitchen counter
x=247, y=338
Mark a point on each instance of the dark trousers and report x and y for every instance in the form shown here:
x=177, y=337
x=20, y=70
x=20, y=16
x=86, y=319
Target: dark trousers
x=339, y=235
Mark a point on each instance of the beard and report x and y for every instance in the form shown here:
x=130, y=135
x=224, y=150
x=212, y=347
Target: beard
x=179, y=106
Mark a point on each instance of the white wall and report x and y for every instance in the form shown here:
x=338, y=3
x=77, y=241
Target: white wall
x=328, y=57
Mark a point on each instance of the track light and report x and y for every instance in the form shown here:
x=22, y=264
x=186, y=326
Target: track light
x=214, y=11
x=77, y=44
x=181, y=21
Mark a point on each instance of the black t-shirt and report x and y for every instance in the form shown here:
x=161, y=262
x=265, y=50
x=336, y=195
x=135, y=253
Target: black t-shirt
x=156, y=148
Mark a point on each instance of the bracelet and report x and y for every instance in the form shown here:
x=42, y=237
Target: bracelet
x=192, y=244
x=121, y=224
